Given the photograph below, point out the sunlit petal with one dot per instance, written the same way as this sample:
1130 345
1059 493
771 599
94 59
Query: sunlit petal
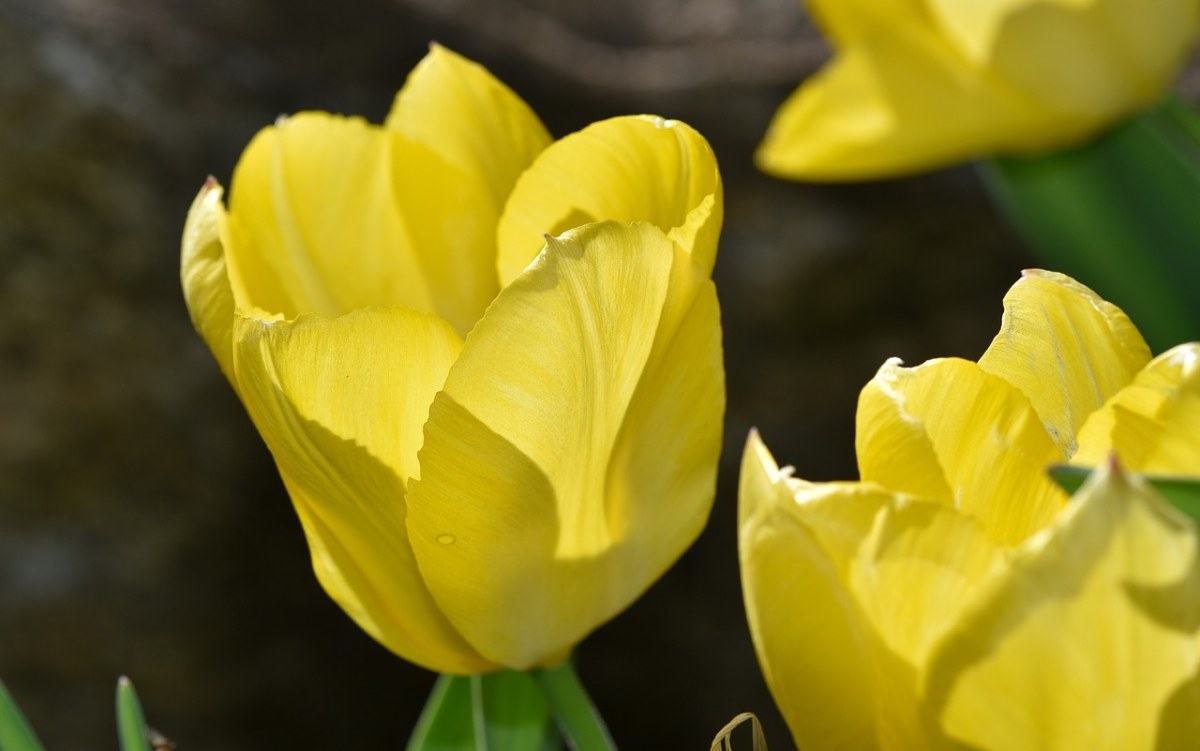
313 222
625 169
522 518
879 108
948 419
1065 348
1109 55
1082 641
462 139
812 642
1153 424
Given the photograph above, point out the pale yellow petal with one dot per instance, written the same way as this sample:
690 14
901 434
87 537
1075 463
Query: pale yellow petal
893 105
313 222
846 587
1065 348
204 277
340 403
465 115
949 419
812 640
1083 641
625 169
462 139
1109 56
528 517
1153 424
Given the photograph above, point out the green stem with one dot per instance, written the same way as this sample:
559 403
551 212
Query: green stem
577 717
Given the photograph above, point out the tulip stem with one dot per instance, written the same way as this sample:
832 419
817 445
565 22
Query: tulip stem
577 718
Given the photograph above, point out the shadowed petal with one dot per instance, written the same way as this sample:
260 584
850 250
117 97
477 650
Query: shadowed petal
340 403
204 276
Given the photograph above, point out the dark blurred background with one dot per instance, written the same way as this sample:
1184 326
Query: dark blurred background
143 530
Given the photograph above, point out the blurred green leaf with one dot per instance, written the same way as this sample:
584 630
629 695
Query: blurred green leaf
131 723
1181 492
15 733
503 711
577 717
1120 215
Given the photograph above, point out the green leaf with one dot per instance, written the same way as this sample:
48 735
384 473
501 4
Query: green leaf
15 733
447 722
577 717
1181 492
1120 215
131 723
503 711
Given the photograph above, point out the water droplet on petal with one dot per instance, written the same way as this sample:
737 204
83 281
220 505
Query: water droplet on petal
446 539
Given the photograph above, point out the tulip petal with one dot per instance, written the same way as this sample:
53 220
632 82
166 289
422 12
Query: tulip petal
340 403
627 169
464 114
810 635
530 517
949 419
1065 348
462 138
1151 424
313 222
846 587
1080 643
203 274
880 108
1109 56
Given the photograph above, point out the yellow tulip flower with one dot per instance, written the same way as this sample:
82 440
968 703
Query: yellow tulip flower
919 84
488 366
954 597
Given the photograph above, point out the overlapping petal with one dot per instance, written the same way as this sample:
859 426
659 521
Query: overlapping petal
342 417
528 516
1106 605
313 223
847 586
204 276
972 605
1153 422
461 140
1065 348
600 173
914 85
480 503
879 109
929 430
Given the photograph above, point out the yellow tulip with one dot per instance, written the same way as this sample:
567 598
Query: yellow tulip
954 597
919 84
488 367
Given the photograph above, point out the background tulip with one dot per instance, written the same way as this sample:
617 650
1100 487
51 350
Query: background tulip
495 439
953 595
916 85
